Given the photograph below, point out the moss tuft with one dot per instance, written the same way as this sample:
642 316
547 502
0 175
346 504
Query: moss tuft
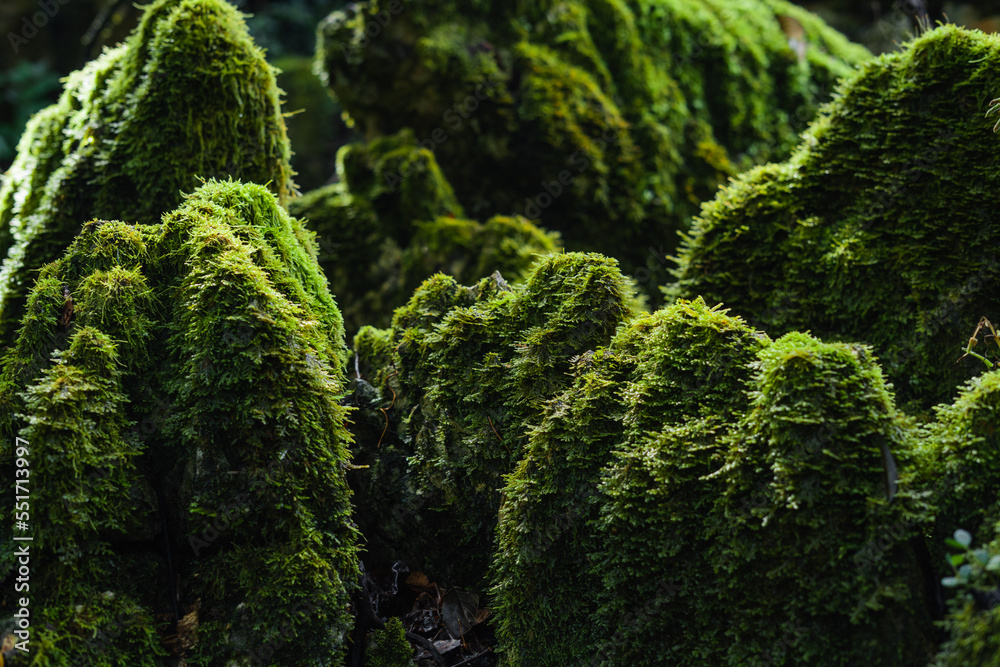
875 230
660 375
186 441
187 97
380 236
387 647
461 375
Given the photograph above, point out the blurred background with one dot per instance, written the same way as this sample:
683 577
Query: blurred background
39 49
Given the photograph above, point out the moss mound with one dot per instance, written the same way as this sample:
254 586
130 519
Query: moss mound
679 365
456 383
178 386
807 483
380 239
693 470
874 230
609 121
188 96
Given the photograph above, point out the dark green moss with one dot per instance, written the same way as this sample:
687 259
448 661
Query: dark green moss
462 374
188 96
609 121
186 439
880 228
805 491
379 238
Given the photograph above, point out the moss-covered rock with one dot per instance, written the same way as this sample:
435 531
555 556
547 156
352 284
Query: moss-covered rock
681 365
701 495
875 229
178 386
809 481
380 239
456 383
188 96
609 121
961 470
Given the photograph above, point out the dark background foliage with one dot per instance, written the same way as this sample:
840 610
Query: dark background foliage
79 29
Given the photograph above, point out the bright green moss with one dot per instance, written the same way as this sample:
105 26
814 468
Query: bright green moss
610 120
380 236
463 373
660 373
718 496
188 96
185 436
387 647
880 227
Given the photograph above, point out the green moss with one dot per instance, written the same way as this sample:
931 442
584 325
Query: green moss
719 497
188 96
186 439
608 120
387 647
461 375
804 490
875 229
661 374
381 236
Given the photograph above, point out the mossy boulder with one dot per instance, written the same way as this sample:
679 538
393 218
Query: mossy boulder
609 121
660 374
875 229
187 96
178 388
808 482
701 495
379 240
449 392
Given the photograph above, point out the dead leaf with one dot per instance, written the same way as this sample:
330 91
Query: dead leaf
459 610
418 580
187 628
